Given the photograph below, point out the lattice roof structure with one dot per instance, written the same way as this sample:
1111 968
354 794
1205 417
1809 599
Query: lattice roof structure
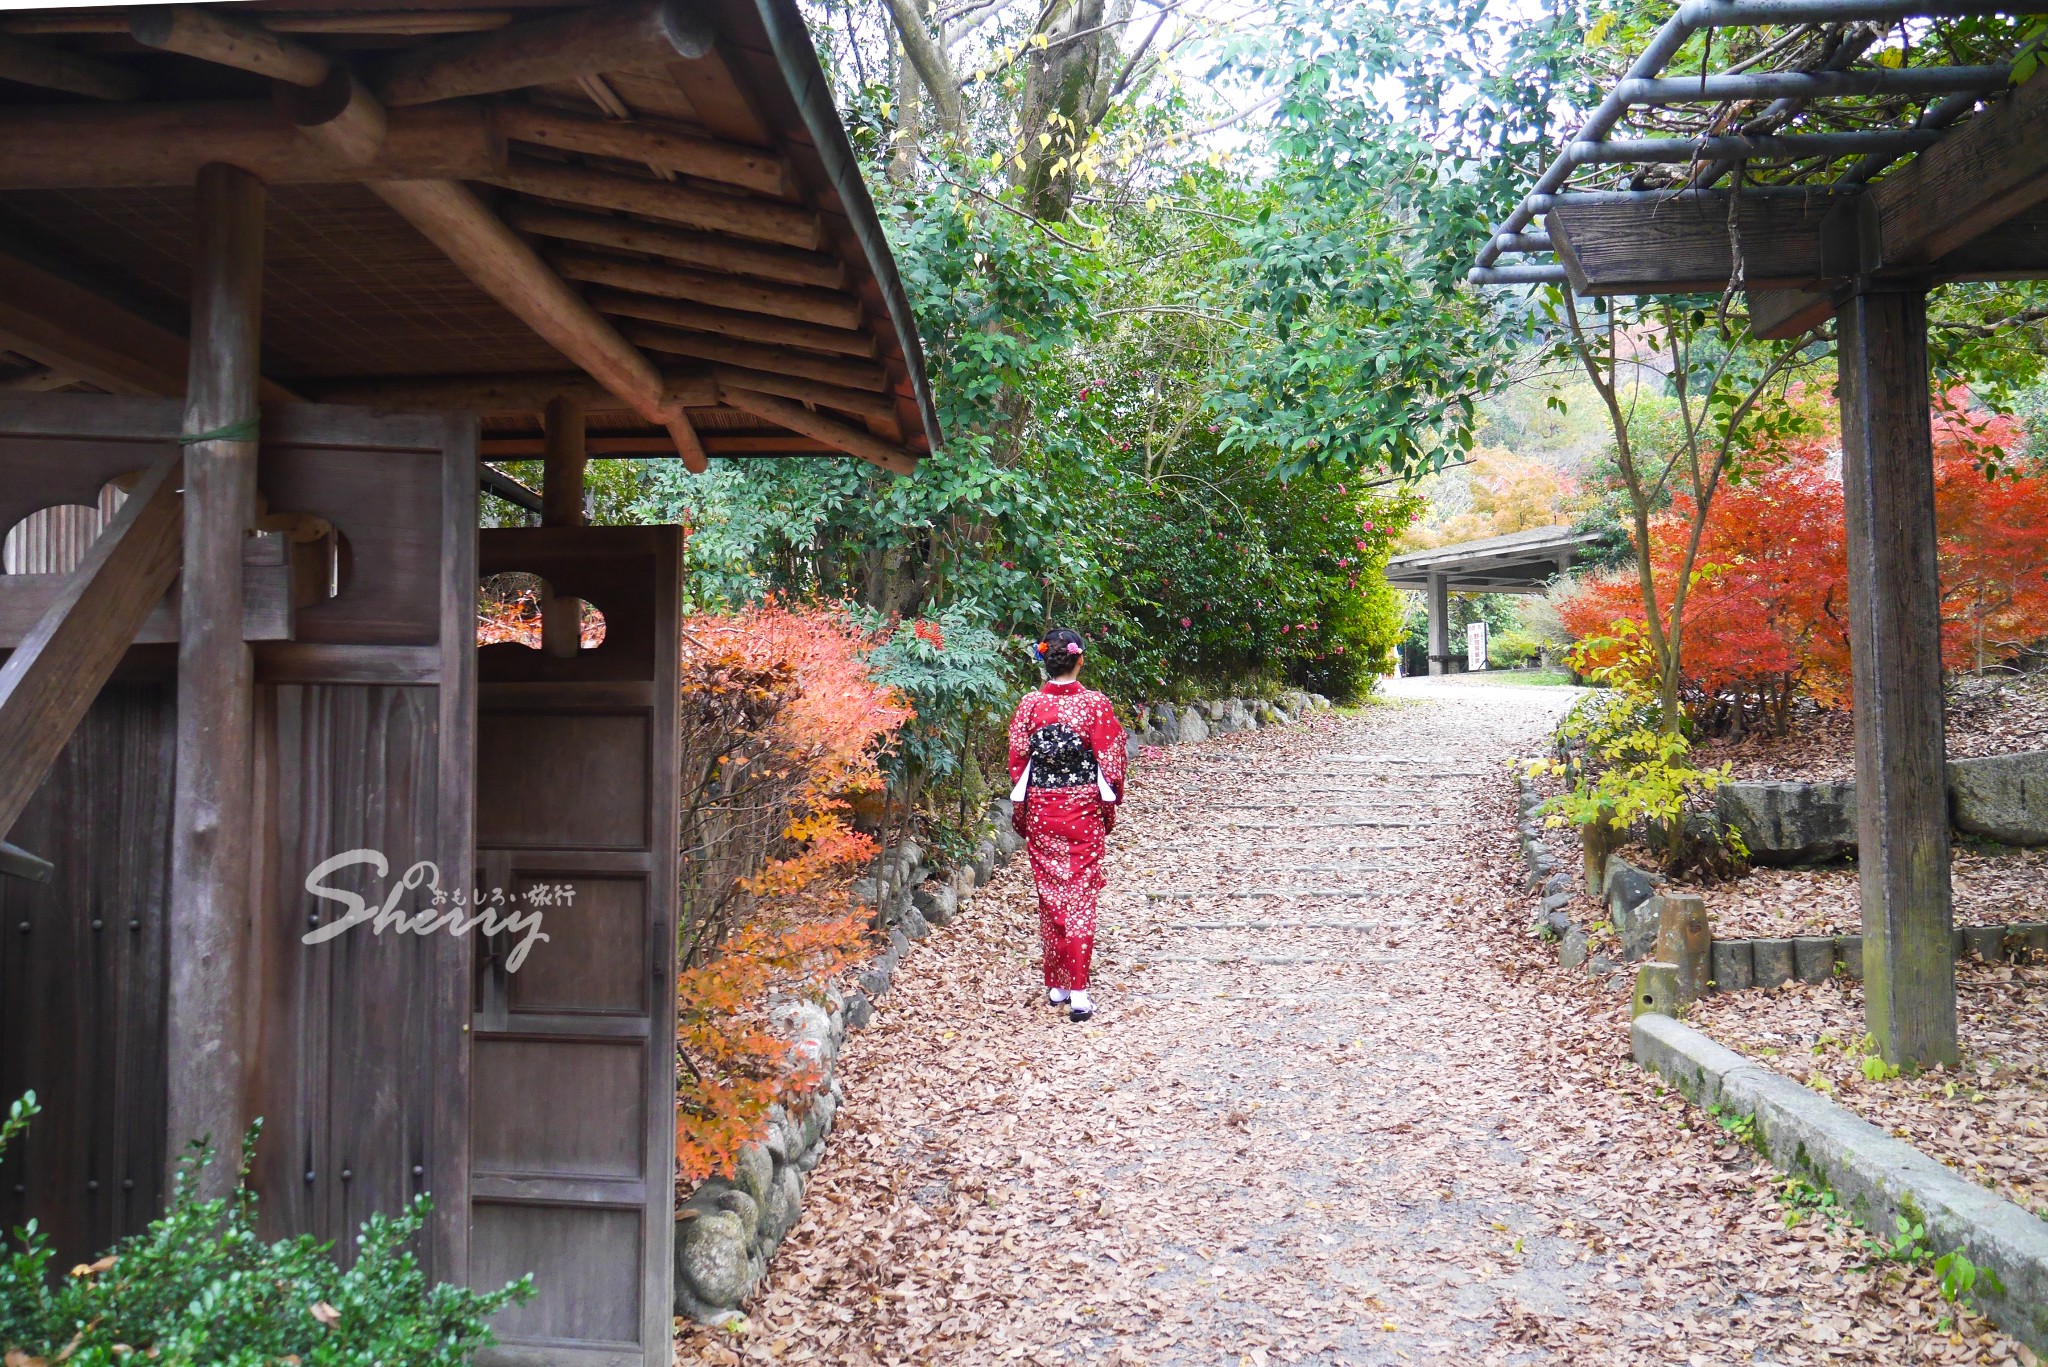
1844 139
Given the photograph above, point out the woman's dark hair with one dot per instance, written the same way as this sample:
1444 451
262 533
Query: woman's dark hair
1059 650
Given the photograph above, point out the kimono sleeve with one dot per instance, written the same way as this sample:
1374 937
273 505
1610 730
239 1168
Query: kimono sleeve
1106 736
1020 737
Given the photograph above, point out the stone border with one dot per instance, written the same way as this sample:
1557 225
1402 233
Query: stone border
1874 1176
728 1229
1736 964
1548 876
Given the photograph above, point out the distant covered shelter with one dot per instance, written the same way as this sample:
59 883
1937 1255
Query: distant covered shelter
274 279
1867 168
1520 562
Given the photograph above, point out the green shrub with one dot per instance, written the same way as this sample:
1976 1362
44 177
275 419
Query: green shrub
199 1287
1511 650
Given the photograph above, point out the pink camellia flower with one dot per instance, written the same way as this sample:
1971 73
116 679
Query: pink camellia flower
1185 622
1340 488
1368 526
1361 545
1008 566
1283 631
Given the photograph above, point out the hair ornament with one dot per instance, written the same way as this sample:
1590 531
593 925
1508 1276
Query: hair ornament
1041 647
1073 647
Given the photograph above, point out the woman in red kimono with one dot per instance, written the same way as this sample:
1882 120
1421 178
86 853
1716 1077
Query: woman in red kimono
1067 762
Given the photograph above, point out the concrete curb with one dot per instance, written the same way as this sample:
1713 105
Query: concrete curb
1873 1175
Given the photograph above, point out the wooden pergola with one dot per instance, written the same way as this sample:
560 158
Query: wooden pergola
1857 226
275 279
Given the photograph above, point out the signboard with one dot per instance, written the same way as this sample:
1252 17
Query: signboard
1475 646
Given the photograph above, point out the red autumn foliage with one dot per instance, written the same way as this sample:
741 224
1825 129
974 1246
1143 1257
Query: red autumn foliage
1766 620
781 727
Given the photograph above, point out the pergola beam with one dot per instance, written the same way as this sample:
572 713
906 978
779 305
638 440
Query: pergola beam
1984 173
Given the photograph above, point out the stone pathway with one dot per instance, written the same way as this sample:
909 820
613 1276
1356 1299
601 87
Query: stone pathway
1336 1108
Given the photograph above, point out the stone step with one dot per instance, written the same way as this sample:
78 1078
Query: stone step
1277 925
1178 895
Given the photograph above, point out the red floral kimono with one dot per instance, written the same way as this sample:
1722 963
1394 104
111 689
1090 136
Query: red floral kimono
1074 745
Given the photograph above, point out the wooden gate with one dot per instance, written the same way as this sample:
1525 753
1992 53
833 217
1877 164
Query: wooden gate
574 1056
357 1047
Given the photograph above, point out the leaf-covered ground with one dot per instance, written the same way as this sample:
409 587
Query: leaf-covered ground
1367 1121
1988 1119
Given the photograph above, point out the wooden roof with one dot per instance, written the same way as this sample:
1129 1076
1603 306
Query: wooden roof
677 166
1518 562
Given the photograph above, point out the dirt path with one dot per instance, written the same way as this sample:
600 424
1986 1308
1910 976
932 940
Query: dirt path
1365 1122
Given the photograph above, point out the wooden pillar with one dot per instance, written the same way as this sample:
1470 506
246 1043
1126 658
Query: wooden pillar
1439 625
1895 656
561 505
210 842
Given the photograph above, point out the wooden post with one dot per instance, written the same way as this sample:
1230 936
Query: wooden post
561 505
210 842
1439 625
1685 941
1895 658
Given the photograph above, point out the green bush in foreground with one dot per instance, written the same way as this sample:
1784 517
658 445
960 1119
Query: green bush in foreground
199 1287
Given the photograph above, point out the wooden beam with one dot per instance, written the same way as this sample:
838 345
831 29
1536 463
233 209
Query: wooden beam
211 844
561 505
1982 174
511 393
52 68
562 474
720 291
752 356
720 99
783 264
1779 315
631 445
751 327
831 431
687 154
760 220
1683 244
17 862
859 402
687 444
1895 661
490 254
334 109
2016 249
76 147
548 51
62 324
339 115
49 682
213 37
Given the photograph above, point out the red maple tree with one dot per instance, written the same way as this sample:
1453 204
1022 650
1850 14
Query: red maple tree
1766 620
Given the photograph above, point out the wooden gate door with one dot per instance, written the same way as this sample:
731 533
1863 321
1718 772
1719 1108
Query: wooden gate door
573 1117
357 1051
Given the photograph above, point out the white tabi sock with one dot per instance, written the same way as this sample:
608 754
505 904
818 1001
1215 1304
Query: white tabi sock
1056 995
1080 1000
